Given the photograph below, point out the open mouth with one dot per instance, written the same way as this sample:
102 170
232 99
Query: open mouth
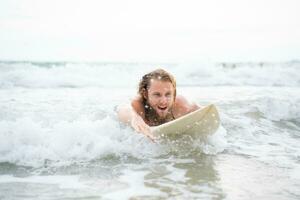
162 108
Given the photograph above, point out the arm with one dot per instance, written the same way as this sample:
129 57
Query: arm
128 115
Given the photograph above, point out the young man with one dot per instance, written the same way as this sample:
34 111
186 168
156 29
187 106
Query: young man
156 103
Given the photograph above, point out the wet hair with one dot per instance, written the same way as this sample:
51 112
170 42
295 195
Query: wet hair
158 74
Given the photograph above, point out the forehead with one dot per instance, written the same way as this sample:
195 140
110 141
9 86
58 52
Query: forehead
160 86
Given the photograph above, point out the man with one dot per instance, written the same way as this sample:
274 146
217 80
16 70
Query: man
156 103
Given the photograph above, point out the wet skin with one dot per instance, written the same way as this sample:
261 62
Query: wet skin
160 97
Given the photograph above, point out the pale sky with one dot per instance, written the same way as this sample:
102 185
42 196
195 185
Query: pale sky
150 31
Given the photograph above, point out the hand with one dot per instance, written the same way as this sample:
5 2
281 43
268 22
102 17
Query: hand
140 126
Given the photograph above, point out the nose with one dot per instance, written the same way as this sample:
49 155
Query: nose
163 100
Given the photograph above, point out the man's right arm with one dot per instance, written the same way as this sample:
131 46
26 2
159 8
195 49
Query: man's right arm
128 115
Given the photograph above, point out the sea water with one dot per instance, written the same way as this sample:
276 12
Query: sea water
60 138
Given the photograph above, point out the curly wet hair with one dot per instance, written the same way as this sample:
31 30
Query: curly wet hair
158 74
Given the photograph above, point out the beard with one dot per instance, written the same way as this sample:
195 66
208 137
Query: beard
154 118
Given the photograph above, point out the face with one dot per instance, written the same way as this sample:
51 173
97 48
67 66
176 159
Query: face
160 96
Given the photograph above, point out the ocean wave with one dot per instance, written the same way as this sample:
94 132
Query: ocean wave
276 109
67 74
27 142
244 74
24 141
272 108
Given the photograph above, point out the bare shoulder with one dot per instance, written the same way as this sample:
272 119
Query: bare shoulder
137 105
183 106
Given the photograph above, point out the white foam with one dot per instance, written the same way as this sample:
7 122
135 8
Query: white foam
285 107
63 182
135 181
215 143
35 75
27 142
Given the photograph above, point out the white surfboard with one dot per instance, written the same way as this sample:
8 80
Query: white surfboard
199 123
